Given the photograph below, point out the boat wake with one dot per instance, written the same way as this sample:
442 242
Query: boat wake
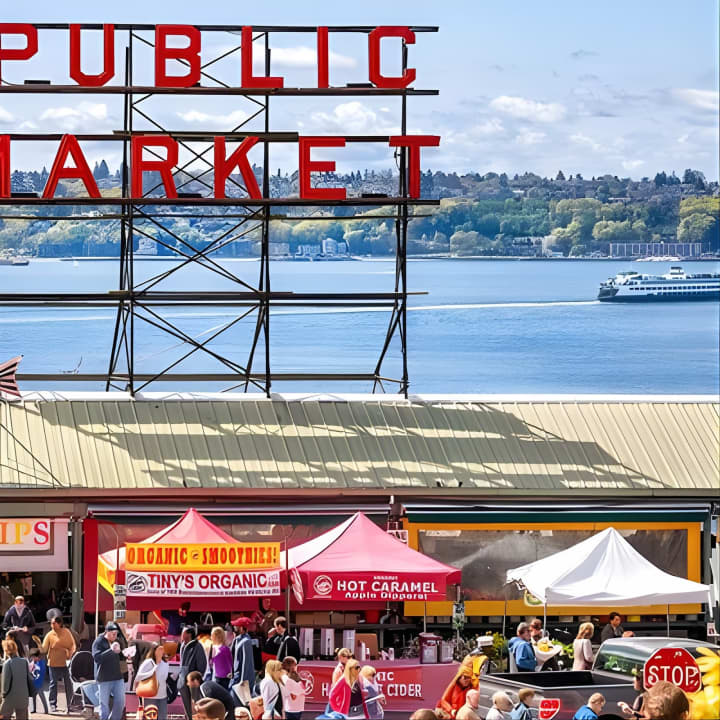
65 316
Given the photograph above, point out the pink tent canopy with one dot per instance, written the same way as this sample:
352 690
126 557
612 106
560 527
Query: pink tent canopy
191 528
358 561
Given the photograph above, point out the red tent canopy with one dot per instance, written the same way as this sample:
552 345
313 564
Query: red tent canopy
358 561
191 529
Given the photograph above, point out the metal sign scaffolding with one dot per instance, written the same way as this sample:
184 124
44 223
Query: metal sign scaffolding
147 301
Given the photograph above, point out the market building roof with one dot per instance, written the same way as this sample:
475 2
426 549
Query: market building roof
460 445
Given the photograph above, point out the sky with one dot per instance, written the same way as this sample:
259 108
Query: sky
626 88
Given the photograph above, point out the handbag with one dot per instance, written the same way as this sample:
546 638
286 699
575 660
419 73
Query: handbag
148 688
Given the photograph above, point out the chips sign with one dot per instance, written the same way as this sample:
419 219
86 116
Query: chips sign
208 557
673 665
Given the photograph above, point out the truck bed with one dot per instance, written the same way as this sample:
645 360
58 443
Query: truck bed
571 688
563 679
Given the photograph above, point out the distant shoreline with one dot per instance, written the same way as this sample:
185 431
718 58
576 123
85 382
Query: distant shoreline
373 258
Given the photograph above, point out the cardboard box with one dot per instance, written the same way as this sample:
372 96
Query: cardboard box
352 619
337 618
322 619
132 617
304 619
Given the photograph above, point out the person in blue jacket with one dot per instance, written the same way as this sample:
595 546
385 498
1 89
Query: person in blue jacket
243 663
38 664
592 710
522 649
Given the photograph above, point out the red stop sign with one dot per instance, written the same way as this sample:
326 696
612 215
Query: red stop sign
674 665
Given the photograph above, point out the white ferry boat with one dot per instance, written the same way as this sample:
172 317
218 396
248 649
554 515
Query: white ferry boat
633 286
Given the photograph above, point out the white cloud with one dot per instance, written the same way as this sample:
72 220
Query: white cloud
632 164
5 116
580 139
493 126
84 116
303 57
352 118
702 99
528 109
232 119
529 137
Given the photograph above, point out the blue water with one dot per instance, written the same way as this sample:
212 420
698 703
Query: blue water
483 327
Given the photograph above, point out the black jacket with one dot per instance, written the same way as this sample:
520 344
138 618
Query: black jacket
192 657
107 662
25 619
288 646
211 689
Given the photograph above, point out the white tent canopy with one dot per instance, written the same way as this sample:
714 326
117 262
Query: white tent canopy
604 570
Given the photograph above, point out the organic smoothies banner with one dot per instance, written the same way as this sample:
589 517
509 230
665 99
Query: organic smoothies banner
201 557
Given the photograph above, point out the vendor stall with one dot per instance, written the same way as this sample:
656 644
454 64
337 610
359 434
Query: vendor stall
604 570
191 560
355 565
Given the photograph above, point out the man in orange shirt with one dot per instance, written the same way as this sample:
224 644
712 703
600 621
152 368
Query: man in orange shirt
59 646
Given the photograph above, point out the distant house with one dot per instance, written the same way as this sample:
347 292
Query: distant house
308 250
329 246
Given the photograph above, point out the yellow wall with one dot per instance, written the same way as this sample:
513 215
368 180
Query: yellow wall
519 607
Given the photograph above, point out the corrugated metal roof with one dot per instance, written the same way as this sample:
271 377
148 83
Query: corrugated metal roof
501 447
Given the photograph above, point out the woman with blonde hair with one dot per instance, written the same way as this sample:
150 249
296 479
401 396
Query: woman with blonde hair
582 647
220 659
342 655
347 695
271 691
375 698
16 683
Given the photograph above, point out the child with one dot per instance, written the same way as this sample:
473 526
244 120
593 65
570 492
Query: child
37 670
294 689
592 710
521 711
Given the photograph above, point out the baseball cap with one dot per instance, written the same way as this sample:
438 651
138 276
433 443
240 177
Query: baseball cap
241 622
109 627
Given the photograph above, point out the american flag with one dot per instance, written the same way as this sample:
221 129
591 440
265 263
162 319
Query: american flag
8 384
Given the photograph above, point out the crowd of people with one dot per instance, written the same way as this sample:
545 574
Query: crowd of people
254 674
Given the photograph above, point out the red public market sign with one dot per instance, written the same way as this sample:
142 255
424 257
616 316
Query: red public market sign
166 36
674 665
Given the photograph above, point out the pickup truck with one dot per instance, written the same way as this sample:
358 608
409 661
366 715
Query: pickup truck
558 695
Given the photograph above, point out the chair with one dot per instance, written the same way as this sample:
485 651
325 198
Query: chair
511 661
82 674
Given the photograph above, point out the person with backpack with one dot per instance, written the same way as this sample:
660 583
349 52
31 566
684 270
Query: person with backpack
521 711
282 644
16 683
